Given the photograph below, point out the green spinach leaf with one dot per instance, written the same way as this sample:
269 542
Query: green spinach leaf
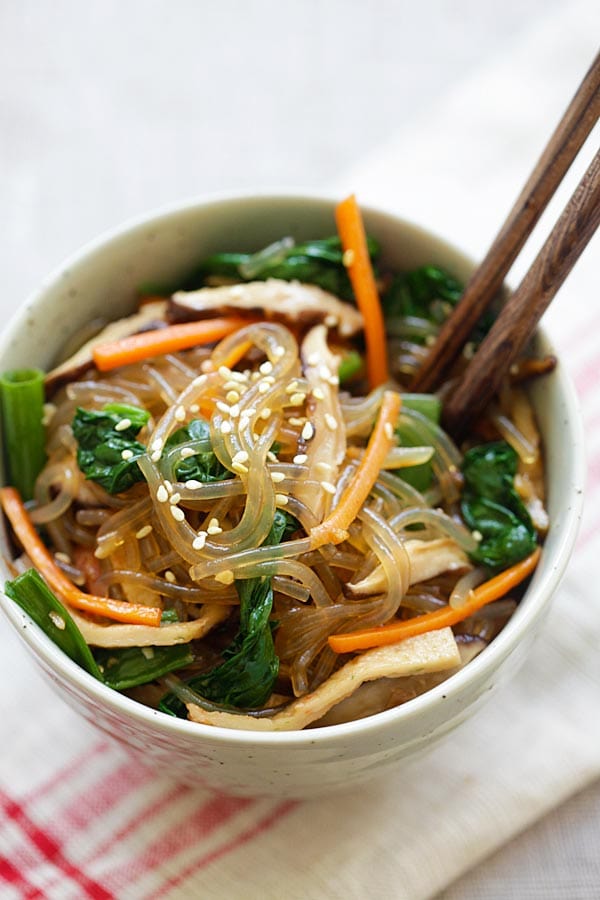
128 667
491 505
204 466
102 441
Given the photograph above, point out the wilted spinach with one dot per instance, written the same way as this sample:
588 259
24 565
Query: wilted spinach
491 506
101 445
127 667
204 465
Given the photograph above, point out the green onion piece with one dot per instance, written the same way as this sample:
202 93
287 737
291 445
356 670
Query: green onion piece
352 362
430 406
33 595
22 405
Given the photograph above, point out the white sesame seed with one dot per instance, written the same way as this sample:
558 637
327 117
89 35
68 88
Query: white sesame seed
225 372
234 411
168 485
240 377
244 422
199 379
300 459
255 376
324 466
148 652
269 379
223 407
331 321
193 485
63 557
180 414
161 494
240 456
207 366
318 393
271 456
232 396
194 408
225 577
265 413
126 454
281 500
324 372
263 387
477 535
297 421
157 444
328 486
240 468
277 477
186 452
49 410
170 577
308 432
312 359
214 523
297 399
292 387
177 513
231 386
348 257
389 430
143 532
333 380
266 368
199 541
175 498
155 456
279 351
331 421
226 427
57 620
250 410
123 425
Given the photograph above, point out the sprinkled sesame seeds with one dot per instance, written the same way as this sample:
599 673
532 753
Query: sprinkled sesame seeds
175 498
223 407
194 408
63 557
308 432
277 477
263 387
324 372
477 536
155 456
266 368
292 387
300 459
312 359
57 620
318 393
278 351
234 411
157 444
170 577
126 454
177 513
199 379
214 527
232 396
193 485
49 409
199 541
143 532
226 427
297 399
123 425
348 257
240 456
297 421
180 414
333 380
226 373
331 421
281 500
225 577
328 486
271 456
244 422
389 430
265 413
240 468
161 494
186 452
330 320
207 366
168 485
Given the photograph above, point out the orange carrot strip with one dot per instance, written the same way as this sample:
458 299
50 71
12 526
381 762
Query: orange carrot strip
354 243
42 559
334 529
234 356
397 631
163 340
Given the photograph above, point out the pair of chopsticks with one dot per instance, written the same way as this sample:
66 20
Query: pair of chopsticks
522 311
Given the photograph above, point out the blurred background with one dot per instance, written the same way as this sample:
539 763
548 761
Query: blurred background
109 109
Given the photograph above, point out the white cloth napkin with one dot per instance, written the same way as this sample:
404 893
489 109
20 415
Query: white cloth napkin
82 819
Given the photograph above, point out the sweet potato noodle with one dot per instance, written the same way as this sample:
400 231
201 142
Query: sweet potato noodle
282 437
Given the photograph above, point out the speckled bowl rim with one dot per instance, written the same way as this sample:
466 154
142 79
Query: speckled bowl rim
532 608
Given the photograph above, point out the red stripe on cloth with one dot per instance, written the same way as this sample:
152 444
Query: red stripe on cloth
196 828
65 772
50 850
11 875
264 824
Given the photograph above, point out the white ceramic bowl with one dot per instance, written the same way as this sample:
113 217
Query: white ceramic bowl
101 280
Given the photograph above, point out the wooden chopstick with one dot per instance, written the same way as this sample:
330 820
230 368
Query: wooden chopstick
522 311
565 143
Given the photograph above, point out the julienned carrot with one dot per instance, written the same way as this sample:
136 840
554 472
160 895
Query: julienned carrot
132 613
164 340
354 243
397 631
334 529
238 352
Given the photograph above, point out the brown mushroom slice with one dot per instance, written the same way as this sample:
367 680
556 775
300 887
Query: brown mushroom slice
375 696
427 559
148 636
150 314
430 652
277 300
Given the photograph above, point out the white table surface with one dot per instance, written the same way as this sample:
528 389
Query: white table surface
110 108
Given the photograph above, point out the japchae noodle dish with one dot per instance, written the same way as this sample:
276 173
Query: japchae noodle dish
229 505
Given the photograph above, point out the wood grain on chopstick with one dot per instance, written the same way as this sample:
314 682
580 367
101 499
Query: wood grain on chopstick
523 309
565 143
